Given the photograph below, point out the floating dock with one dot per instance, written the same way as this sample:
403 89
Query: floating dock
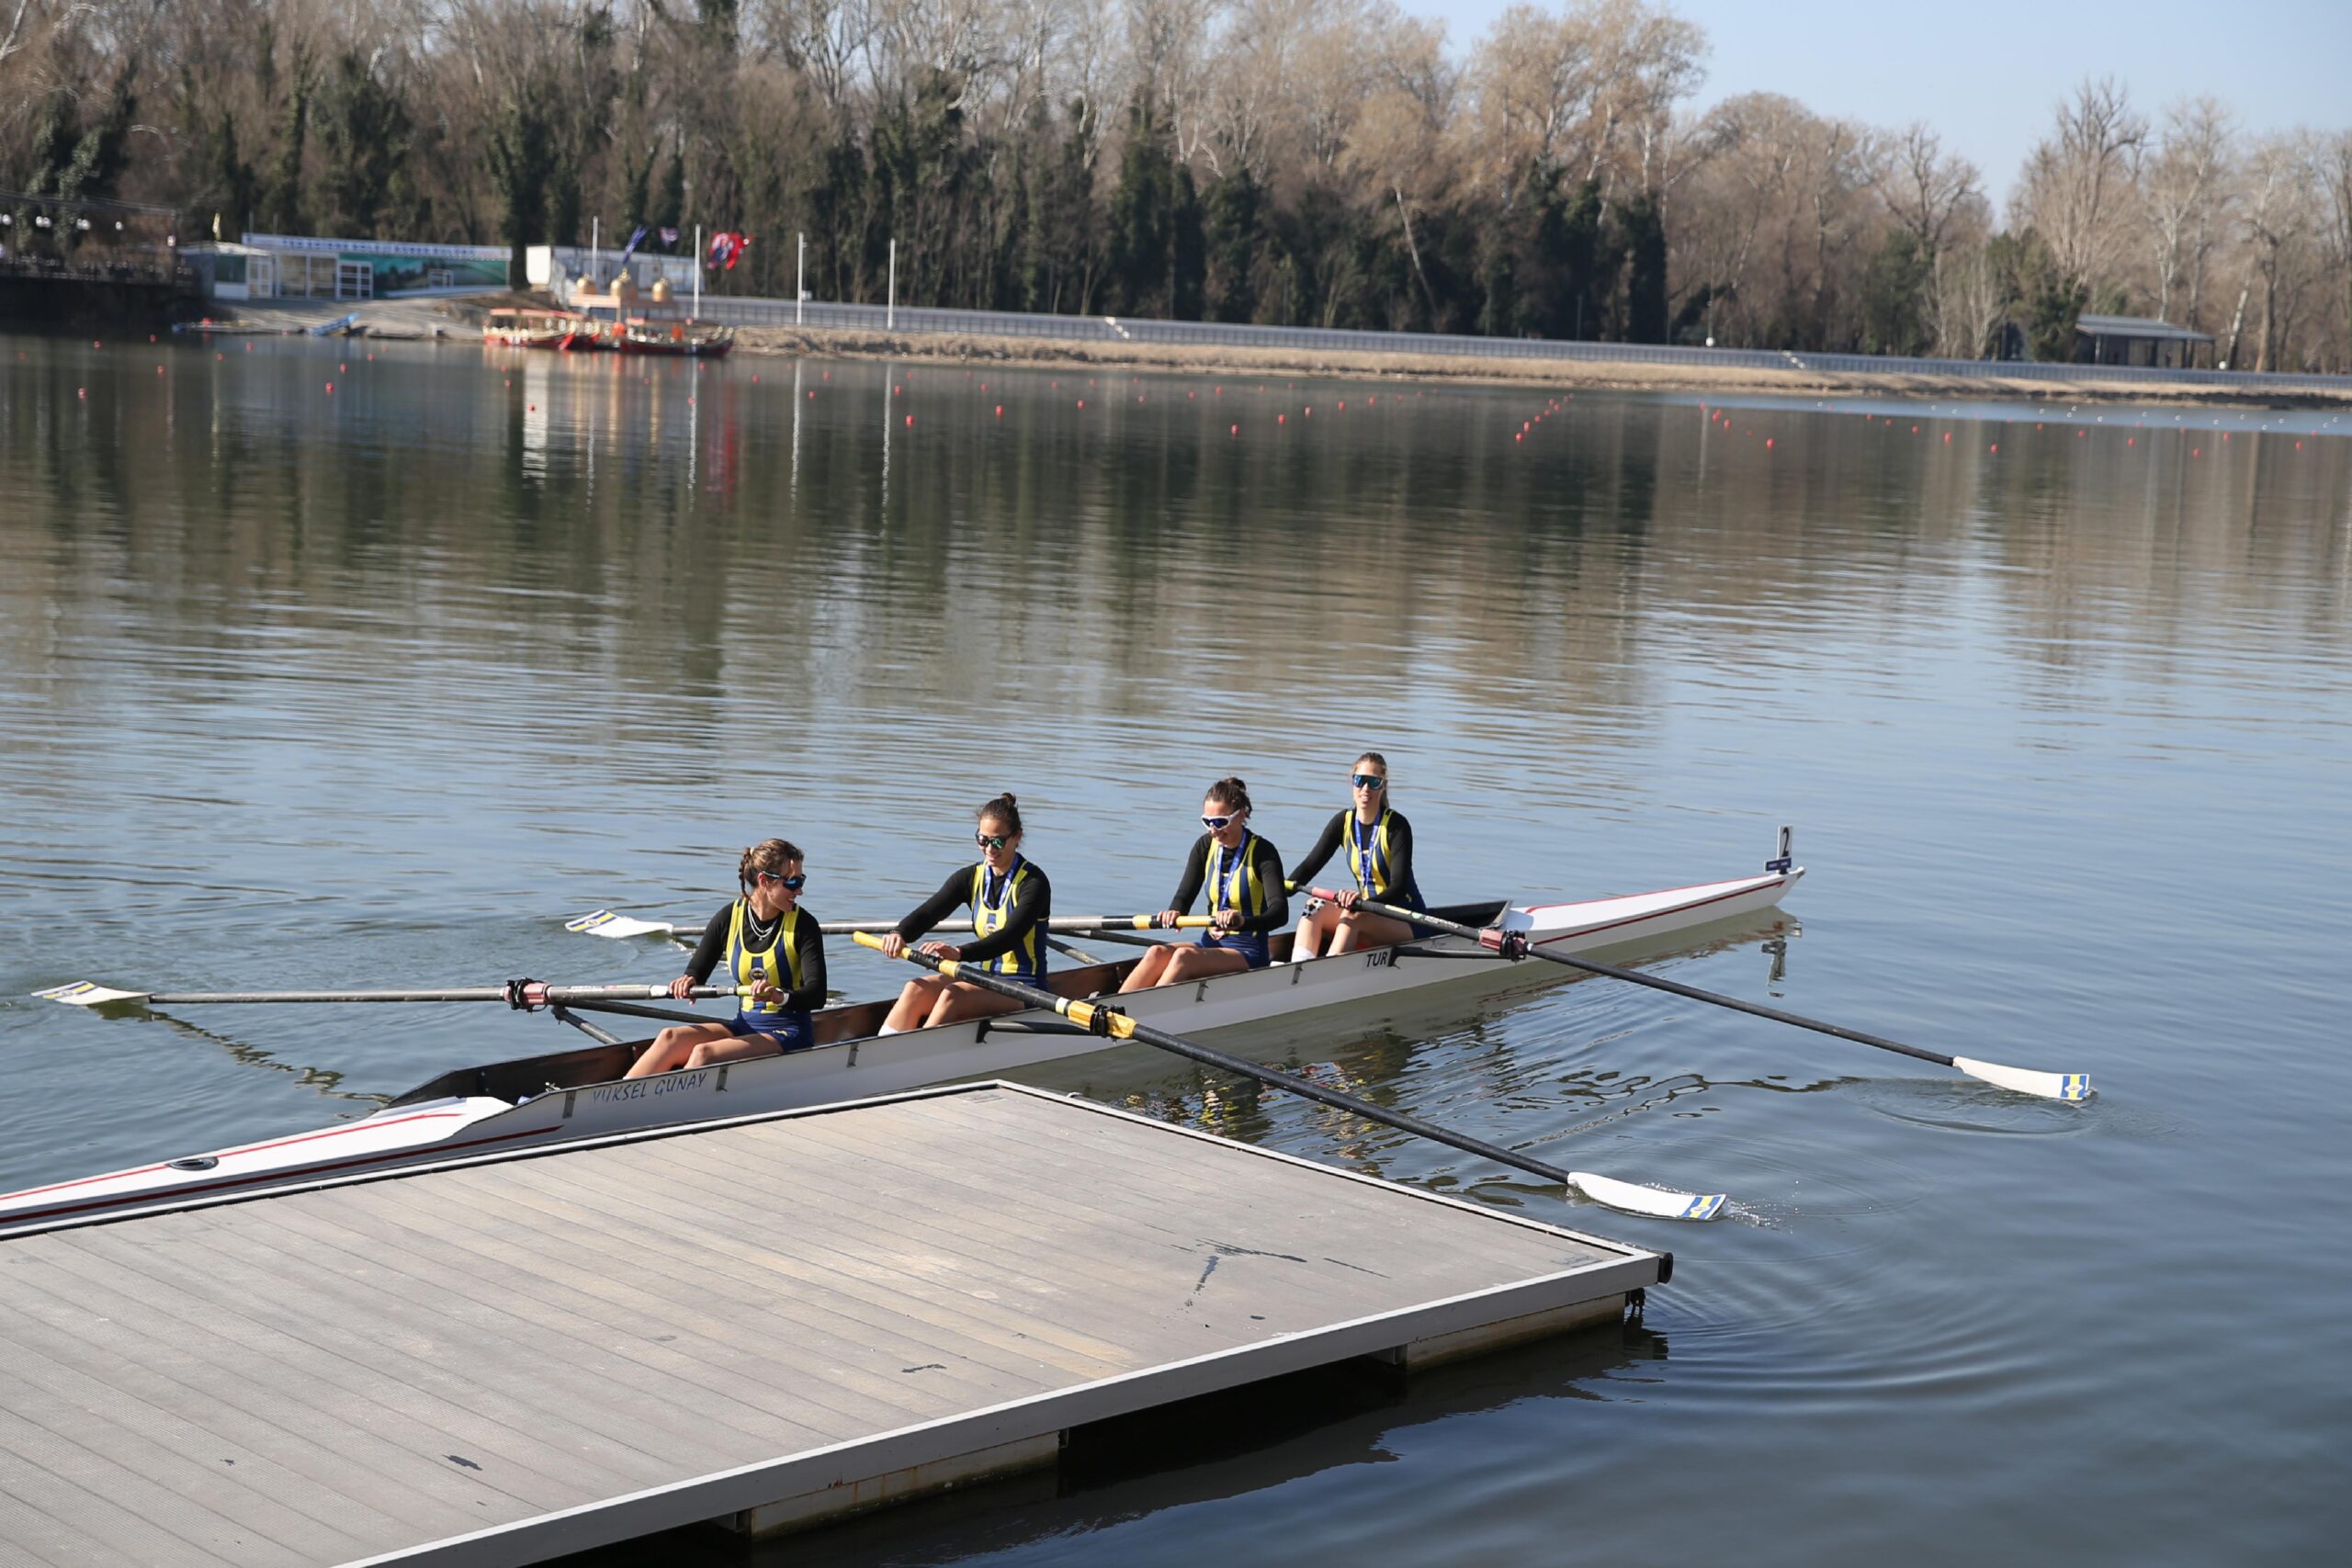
765 1322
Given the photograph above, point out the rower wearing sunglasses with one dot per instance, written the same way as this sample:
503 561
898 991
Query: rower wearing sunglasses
1011 902
767 941
1244 875
1380 856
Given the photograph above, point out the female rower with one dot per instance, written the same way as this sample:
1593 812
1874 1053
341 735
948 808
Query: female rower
1011 902
768 943
1244 874
1380 856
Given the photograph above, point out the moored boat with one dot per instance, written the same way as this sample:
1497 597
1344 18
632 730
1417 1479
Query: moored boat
678 339
523 327
545 1100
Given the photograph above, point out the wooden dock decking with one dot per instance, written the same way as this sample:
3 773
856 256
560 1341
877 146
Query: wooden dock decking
506 1358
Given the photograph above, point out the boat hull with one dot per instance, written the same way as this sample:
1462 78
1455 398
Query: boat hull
578 1094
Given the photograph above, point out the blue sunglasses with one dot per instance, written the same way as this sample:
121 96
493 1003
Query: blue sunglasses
795 882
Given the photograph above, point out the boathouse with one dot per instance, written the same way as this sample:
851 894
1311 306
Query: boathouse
2140 341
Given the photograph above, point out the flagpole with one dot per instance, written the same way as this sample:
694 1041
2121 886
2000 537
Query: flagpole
697 272
800 284
595 260
890 317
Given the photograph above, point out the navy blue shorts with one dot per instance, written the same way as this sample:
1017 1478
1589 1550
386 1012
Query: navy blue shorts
1251 945
789 1030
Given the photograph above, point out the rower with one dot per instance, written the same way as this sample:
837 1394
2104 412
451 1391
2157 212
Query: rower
1011 902
1244 874
1380 855
770 943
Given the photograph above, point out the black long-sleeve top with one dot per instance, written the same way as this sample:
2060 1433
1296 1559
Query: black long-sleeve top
1032 906
1400 854
1263 858
807 940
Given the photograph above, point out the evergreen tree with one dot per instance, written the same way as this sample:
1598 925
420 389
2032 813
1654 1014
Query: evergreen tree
364 130
53 145
101 154
1234 231
1187 250
236 181
518 155
669 210
1894 298
1645 270
1137 271
283 204
1497 283
1586 269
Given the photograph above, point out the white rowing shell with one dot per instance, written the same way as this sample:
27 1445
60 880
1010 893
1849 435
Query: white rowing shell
427 1126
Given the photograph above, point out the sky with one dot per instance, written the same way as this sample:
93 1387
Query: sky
1985 74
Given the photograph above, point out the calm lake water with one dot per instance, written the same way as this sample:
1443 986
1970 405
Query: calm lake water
375 684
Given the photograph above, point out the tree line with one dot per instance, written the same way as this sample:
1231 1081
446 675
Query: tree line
1313 163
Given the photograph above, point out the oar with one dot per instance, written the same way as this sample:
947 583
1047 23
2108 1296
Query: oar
527 995
1657 1202
605 922
1514 944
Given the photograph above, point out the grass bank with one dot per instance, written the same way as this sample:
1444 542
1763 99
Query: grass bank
1572 374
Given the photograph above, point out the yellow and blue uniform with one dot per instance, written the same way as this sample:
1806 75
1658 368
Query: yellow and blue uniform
1009 916
1380 857
1247 878
789 954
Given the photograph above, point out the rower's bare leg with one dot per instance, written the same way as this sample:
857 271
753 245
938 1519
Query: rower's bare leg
1315 933
1199 962
734 1048
963 1000
673 1046
1147 971
914 1004
1360 928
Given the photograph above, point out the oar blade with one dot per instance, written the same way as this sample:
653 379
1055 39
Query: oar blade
1657 1202
81 994
2024 1080
604 923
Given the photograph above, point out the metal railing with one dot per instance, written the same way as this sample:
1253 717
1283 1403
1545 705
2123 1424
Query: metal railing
916 320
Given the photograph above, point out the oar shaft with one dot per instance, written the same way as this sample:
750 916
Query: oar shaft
1118 1025
1657 983
1072 925
531 993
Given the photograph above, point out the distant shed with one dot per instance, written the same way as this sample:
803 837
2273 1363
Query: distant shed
2140 341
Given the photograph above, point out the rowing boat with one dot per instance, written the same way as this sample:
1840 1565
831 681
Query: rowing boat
543 1101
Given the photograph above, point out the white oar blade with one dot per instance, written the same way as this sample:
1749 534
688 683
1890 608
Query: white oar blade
604 923
2049 1086
81 994
1657 1202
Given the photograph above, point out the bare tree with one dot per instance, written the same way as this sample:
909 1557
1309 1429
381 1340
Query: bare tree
2331 157
2077 178
2185 197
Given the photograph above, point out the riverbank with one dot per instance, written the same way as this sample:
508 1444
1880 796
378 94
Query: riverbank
1575 375
460 319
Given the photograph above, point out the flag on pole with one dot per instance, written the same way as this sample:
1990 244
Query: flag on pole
631 246
669 237
727 248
